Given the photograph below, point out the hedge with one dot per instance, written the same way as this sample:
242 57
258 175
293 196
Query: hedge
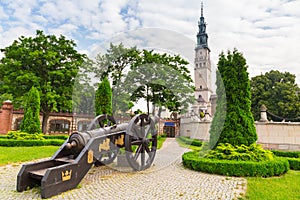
189 141
294 163
275 167
28 143
60 137
290 154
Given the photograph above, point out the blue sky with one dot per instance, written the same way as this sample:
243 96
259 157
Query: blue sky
266 31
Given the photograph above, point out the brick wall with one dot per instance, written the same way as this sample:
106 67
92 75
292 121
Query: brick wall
6 117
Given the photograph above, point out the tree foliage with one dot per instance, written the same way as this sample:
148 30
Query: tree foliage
238 126
278 92
220 114
31 120
83 98
113 65
161 79
46 62
103 98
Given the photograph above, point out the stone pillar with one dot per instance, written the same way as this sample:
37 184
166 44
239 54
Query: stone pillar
6 117
263 114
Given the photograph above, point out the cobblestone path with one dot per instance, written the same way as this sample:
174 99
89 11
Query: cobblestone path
167 179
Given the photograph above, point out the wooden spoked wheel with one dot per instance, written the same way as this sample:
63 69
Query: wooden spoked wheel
101 121
107 157
141 142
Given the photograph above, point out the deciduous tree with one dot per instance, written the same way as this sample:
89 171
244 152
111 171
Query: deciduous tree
279 92
113 65
161 79
47 62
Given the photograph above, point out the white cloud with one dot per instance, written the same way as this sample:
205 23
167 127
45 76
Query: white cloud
266 31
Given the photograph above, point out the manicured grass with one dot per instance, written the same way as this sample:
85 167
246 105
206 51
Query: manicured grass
184 145
160 141
21 154
286 186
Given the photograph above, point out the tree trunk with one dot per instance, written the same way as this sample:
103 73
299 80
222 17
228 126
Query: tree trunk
148 112
159 111
45 122
153 109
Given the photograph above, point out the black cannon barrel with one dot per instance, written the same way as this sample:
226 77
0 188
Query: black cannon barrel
78 140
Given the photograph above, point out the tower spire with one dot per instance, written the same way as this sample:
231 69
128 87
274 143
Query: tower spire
202 36
201 8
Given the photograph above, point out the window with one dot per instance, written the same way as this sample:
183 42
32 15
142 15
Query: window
82 125
18 123
59 126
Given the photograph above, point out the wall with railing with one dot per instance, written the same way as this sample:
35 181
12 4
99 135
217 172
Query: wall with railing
272 135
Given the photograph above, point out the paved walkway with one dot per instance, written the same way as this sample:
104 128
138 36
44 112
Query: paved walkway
167 179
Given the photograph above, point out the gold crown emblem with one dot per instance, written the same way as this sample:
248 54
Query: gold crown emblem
66 176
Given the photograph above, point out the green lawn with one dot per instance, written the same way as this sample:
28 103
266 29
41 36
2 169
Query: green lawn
184 145
286 187
21 154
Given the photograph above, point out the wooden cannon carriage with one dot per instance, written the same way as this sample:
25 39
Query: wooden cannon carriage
81 150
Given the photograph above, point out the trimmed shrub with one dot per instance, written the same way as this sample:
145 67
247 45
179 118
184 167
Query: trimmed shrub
18 135
294 163
60 137
189 141
290 154
274 167
254 152
30 143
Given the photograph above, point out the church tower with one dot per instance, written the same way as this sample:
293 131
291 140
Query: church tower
202 70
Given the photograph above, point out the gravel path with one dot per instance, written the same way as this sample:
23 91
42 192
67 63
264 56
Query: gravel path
167 179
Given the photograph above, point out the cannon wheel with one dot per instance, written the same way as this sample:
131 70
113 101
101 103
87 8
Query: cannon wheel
141 142
101 121
107 157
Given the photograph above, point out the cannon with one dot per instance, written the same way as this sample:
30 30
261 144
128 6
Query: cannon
95 146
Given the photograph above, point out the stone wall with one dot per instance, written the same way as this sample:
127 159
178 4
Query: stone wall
279 135
272 135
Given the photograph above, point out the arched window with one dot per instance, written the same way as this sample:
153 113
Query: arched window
59 126
82 125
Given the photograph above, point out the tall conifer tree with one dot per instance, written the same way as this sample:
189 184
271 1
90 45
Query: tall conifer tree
103 103
31 121
239 126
